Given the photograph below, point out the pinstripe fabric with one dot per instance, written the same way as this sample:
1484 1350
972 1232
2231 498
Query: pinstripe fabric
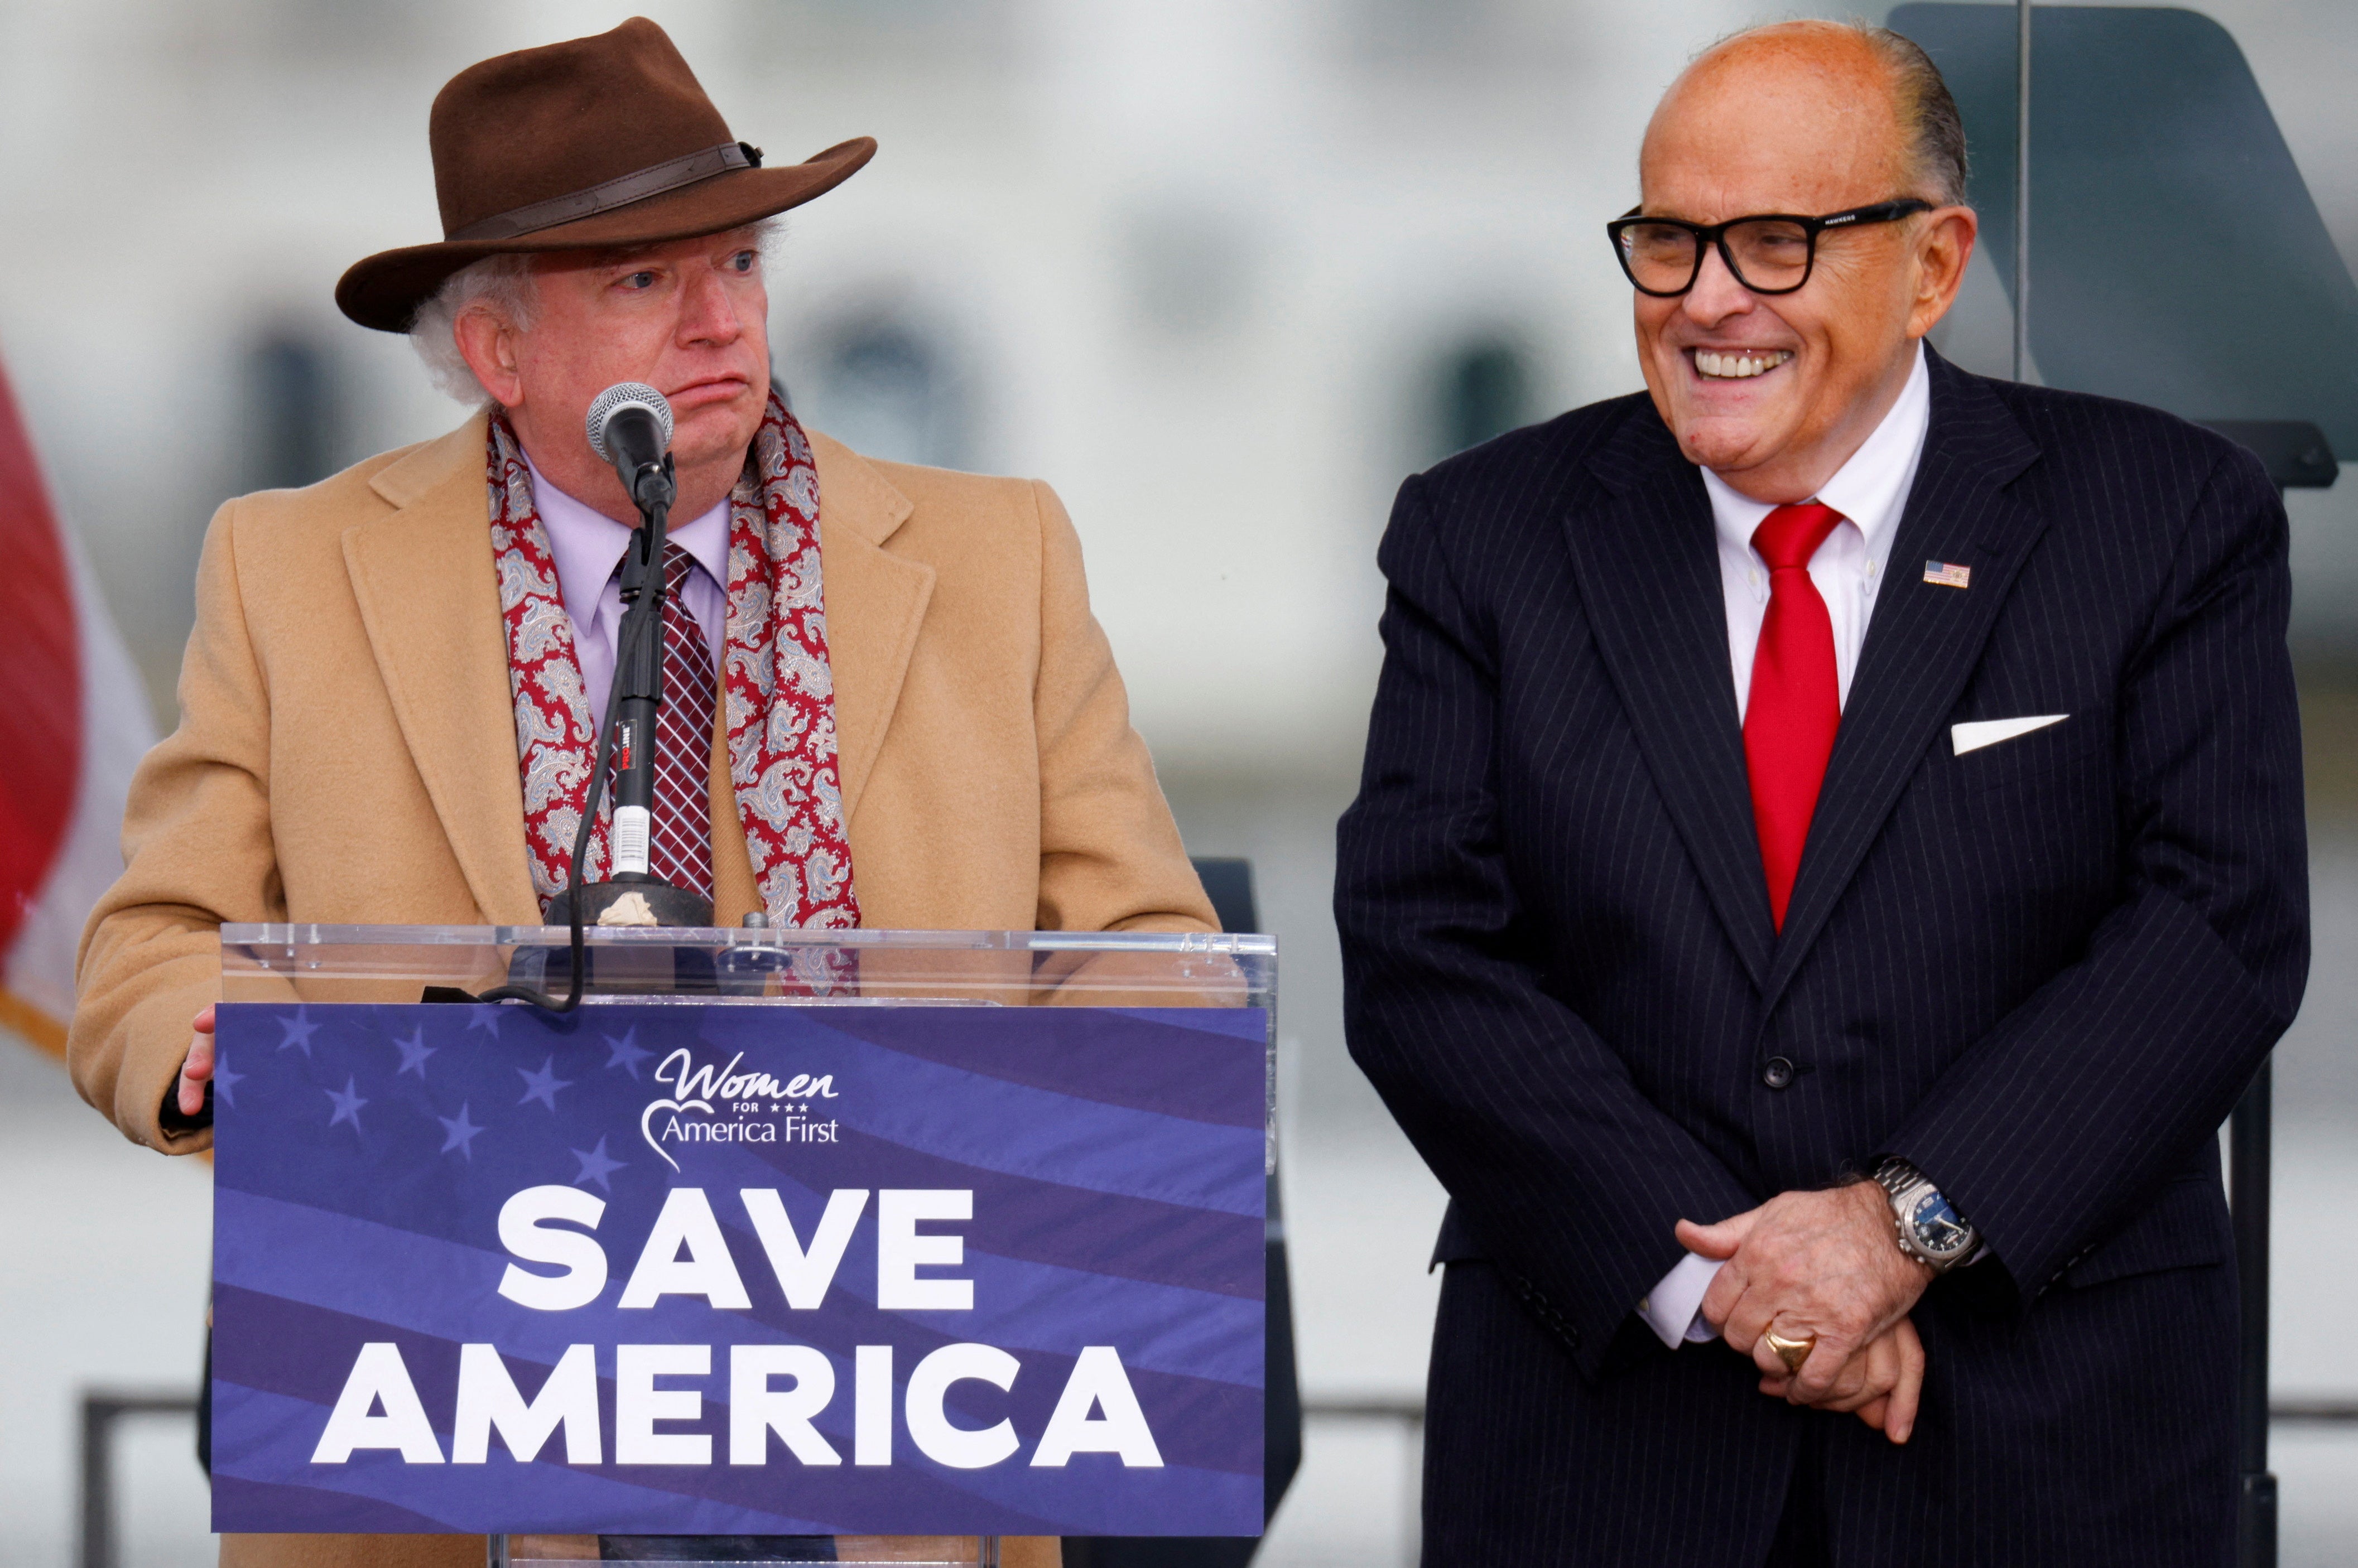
2041 970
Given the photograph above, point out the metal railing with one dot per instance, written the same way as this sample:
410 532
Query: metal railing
1408 1413
104 1410
2308 1411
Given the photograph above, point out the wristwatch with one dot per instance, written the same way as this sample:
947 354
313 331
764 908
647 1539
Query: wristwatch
1931 1231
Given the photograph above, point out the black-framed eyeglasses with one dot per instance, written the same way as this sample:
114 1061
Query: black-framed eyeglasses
1770 252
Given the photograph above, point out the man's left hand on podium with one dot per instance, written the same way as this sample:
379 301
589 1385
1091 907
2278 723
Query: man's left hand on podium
197 1068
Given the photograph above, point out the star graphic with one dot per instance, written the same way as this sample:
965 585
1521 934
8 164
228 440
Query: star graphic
348 1104
627 1051
413 1051
486 1018
461 1136
226 1081
298 1031
543 1085
596 1166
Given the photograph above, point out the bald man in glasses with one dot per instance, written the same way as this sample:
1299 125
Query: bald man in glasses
1830 855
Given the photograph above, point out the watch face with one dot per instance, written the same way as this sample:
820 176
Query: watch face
1938 1230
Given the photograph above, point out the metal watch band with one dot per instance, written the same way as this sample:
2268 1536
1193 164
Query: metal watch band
1898 1179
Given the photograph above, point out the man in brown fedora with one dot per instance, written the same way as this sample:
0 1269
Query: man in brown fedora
389 702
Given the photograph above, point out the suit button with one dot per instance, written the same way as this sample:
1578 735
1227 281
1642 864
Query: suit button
1777 1074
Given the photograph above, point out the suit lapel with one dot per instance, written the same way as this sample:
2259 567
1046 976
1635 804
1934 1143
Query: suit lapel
1648 566
1923 641
429 597
875 602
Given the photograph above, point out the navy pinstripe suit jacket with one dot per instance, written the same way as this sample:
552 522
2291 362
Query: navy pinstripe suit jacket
2042 971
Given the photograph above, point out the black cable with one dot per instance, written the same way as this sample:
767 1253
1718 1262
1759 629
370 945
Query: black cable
624 648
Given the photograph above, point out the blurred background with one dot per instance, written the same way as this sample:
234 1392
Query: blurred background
1223 272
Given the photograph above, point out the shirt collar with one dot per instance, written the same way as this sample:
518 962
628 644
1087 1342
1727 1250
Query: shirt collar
1871 490
588 544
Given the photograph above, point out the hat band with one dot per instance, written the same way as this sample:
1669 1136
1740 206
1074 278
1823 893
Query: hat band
622 191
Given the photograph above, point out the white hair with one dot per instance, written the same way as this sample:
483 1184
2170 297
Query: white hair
504 285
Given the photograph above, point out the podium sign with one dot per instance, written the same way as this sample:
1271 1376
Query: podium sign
729 1265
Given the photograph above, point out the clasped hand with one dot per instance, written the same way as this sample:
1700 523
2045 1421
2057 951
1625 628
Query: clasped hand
1821 1264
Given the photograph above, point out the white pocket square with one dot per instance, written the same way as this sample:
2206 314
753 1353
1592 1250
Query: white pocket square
1982 733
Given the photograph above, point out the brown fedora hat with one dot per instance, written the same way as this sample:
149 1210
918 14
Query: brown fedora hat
594 144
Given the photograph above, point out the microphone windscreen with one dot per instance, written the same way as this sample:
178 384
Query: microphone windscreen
620 395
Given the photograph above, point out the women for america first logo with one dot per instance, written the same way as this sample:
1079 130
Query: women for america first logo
743 1107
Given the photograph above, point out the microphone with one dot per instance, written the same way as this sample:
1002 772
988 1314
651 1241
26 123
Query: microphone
630 426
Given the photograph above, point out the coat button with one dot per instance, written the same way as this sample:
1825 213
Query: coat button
1777 1074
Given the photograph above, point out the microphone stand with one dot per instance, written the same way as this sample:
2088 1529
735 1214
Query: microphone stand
635 708
632 708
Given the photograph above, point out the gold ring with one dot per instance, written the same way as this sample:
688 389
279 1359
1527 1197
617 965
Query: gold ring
1792 1352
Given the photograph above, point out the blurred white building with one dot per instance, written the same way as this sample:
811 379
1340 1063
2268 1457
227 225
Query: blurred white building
1222 271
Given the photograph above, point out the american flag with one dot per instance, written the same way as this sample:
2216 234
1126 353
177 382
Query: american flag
75 725
1943 575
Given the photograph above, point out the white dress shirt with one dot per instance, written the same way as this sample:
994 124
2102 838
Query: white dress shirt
588 546
1870 491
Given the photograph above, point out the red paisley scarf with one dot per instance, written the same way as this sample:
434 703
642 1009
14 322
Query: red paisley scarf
776 683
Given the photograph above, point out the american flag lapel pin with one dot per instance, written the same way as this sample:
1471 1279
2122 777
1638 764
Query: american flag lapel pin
1941 574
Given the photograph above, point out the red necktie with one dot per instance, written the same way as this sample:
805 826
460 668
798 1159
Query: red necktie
1795 705
679 851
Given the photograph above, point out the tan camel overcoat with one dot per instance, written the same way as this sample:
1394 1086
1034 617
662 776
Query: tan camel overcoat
347 752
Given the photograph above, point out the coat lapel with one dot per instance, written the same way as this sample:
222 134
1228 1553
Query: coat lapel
875 602
1648 566
429 597
424 578
1923 641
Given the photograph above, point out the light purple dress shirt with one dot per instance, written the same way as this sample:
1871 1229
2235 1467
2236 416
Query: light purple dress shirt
587 545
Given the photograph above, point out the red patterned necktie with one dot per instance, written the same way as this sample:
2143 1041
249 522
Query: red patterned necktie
1795 705
680 850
